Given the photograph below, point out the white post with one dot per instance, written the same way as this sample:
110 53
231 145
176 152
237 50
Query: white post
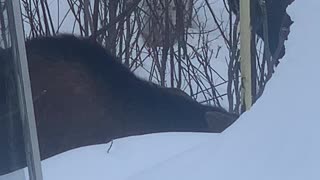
245 53
24 90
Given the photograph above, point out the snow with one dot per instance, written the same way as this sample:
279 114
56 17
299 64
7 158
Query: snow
277 139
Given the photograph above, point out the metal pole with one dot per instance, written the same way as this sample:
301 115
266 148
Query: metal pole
24 89
245 53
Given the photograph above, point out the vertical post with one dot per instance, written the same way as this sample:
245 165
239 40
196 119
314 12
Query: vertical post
24 90
245 53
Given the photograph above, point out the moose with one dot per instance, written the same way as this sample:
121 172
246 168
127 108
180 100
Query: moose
83 96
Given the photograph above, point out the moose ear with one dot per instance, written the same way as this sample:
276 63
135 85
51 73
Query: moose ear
219 121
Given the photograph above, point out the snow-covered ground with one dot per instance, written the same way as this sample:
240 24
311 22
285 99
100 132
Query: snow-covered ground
278 139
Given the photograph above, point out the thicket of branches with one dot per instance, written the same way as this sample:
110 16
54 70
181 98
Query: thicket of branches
171 42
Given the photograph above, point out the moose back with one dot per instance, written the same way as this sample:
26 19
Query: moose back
83 96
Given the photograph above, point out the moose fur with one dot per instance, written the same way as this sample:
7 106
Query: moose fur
84 96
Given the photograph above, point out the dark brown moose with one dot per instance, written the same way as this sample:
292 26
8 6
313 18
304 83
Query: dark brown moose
84 96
